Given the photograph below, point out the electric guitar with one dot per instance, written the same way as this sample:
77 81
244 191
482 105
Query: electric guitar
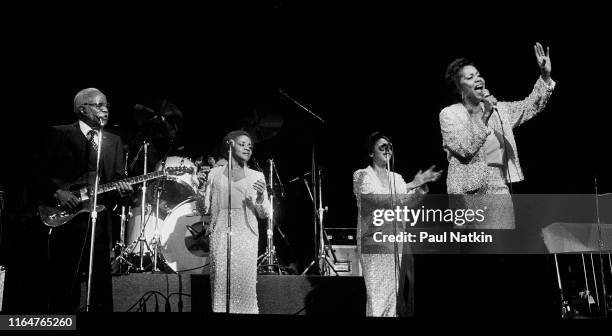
58 215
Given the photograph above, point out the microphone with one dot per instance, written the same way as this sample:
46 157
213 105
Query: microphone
230 142
102 121
300 177
486 94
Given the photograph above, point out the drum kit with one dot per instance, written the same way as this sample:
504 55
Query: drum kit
162 229
168 234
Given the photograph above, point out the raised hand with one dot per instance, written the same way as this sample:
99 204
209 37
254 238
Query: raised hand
543 61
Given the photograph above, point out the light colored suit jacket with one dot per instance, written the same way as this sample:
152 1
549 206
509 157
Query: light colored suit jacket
463 139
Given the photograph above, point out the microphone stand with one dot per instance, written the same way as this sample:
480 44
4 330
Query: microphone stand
141 237
229 230
393 194
601 247
93 220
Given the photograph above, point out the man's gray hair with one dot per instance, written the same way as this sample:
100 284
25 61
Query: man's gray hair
82 97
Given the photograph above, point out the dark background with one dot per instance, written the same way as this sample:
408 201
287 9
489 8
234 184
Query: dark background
360 67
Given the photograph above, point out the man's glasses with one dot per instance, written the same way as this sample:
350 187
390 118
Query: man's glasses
98 105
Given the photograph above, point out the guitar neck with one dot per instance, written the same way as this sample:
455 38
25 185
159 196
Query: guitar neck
132 180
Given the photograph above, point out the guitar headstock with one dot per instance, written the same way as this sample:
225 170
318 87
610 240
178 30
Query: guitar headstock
178 170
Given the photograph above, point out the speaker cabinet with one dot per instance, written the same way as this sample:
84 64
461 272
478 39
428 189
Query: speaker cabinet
276 294
143 292
296 295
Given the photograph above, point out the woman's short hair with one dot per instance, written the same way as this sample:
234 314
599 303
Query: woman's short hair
453 73
233 135
373 138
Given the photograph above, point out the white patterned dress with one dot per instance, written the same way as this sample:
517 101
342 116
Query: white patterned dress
382 285
244 212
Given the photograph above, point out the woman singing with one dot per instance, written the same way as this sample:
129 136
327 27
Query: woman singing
248 201
478 138
379 269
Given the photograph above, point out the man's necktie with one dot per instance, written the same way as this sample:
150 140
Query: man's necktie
91 137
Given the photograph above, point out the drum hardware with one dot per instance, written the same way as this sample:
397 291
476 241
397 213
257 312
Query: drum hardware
322 260
155 241
141 239
268 262
165 200
120 258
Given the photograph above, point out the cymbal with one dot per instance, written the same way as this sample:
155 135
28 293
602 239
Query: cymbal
163 123
170 112
262 124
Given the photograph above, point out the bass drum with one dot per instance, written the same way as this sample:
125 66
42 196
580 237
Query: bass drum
184 242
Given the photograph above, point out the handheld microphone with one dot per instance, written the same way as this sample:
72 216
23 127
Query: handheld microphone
486 94
387 149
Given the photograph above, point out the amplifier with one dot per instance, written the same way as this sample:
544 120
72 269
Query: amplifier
344 245
347 260
341 236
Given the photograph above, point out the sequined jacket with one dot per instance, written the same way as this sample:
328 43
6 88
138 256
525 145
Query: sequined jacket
463 138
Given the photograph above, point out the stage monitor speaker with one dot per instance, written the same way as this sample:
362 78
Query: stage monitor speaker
140 291
296 295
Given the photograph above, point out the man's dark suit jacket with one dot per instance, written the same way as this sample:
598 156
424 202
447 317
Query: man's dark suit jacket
67 156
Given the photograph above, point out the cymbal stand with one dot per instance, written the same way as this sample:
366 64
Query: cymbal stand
156 237
322 260
268 259
120 245
141 237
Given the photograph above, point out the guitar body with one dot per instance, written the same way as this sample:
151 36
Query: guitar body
57 216
54 216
